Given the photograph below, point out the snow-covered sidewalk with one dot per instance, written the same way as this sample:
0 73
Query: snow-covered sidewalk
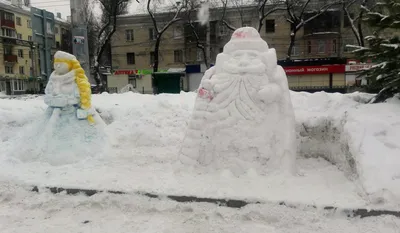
23 211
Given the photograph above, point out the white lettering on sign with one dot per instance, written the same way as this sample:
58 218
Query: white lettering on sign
294 70
358 67
317 69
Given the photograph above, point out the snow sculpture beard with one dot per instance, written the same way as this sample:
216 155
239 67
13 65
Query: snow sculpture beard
243 118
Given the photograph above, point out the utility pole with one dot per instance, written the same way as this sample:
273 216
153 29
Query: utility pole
80 46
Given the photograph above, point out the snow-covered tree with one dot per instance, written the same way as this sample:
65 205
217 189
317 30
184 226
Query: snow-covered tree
301 12
191 7
110 10
159 31
354 15
383 48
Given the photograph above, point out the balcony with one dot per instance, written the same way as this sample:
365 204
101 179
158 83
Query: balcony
7 23
10 58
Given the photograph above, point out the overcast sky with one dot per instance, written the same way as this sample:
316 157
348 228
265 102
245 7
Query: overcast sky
63 6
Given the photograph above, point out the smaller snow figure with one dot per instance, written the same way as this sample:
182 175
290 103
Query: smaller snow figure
243 117
71 128
69 87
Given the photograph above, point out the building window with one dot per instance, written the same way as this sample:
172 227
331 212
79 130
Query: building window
8 32
295 50
223 30
7 50
9 69
334 46
30 38
129 35
346 21
178 56
29 23
221 50
321 46
132 81
178 32
309 47
130 58
21 70
200 55
30 54
20 53
152 34
269 25
8 16
152 58
19 36
49 28
58 44
19 21
19 85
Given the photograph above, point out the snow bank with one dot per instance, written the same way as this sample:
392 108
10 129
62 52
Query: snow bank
146 132
361 139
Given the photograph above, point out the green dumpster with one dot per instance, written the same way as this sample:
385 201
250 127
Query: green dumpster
167 82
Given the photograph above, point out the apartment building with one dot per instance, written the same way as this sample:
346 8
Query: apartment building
20 63
321 42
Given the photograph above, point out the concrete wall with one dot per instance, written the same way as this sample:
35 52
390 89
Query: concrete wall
117 81
194 80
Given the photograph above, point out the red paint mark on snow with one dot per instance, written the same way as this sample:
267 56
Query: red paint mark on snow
203 93
239 35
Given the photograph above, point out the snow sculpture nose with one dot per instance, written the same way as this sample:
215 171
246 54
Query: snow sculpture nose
244 61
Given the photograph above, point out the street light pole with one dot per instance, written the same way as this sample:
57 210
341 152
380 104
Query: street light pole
80 46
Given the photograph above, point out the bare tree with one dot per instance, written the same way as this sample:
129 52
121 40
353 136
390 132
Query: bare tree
271 7
111 9
355 19
296 16
159 32
191 7
223 20
92 28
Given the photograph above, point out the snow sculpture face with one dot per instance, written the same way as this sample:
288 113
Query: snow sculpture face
244 61
61 68
244 53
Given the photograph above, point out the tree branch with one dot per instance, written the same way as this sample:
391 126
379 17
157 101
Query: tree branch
224 4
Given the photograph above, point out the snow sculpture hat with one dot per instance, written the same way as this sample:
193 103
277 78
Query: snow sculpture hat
246 38
63 57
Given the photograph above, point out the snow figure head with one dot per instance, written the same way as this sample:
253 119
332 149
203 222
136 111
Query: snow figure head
64 63
244 53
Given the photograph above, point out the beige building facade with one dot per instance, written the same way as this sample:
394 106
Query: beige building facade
325 37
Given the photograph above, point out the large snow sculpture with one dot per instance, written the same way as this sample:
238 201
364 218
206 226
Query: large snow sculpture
243 117
71 129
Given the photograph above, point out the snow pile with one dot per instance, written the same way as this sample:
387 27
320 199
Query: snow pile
147 132
361 139
243 118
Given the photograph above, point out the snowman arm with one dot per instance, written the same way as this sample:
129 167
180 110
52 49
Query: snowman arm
206 80
270 93
48 88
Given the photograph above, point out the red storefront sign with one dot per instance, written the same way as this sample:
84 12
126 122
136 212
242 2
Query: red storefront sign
126 72
299 70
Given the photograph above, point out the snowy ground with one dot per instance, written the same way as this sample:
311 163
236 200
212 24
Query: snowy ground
21 211
359 141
